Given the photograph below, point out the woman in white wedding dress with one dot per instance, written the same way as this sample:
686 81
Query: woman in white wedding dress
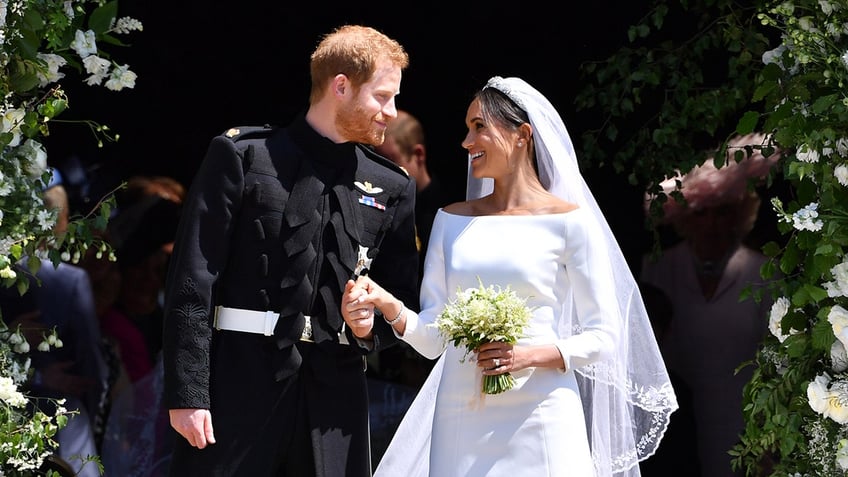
592 395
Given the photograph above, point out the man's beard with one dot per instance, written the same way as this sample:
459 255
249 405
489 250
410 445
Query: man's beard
355 125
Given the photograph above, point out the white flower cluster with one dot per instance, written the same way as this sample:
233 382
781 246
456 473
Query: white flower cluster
23 455
829 398
9 393
85 45
126 25
839 285
39 41
23 174
806 154
480 315
806 218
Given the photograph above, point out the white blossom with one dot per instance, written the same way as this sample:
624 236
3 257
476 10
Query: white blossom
774 56
842 146
841 174
126 25
3 15
53 62
837 402
778 310
121 78
807 218
845 59
84 43
839 286
15 339
97 68
7 272
9 393
36 157
807 154
838 319
786 8
68 8
46 219
826 7
10 122
838 357
807 24
817 393
22 347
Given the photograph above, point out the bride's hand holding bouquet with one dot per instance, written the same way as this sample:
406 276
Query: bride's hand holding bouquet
483 320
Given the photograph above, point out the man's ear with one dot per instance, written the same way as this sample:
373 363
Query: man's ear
419 154
340 85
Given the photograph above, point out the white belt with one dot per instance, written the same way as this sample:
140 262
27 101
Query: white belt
262 322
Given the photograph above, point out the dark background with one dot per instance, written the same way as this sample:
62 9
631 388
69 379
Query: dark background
206 66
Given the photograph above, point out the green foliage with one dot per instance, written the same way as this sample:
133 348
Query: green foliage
39 41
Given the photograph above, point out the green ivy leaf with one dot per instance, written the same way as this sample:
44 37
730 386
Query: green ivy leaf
822 335
748 123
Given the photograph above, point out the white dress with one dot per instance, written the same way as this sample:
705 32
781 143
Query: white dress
538 427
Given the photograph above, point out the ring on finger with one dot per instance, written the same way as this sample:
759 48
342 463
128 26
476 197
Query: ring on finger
497 363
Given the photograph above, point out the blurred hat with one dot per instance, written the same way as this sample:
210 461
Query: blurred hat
707 186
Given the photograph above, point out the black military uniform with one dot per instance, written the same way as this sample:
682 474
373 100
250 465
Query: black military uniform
276 221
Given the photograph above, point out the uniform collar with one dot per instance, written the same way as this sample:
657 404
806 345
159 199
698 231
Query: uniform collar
319 148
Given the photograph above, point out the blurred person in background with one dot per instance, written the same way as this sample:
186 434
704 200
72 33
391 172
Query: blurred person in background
704 274
136 440
77 370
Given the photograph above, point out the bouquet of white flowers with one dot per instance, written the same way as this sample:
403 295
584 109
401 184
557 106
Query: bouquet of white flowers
484 314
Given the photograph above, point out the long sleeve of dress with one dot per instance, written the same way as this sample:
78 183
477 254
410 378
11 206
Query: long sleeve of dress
426 339
593 288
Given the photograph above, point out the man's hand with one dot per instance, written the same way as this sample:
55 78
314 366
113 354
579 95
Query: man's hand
195 425
358 314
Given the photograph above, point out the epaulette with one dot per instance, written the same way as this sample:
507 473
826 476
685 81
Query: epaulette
373 155
249 132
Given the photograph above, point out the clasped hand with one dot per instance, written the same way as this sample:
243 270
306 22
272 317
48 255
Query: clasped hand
358 308
361 299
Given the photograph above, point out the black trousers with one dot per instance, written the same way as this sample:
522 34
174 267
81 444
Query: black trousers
314 423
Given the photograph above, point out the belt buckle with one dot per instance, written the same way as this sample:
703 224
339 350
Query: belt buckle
306 334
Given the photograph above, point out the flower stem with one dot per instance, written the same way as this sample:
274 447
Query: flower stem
498 384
